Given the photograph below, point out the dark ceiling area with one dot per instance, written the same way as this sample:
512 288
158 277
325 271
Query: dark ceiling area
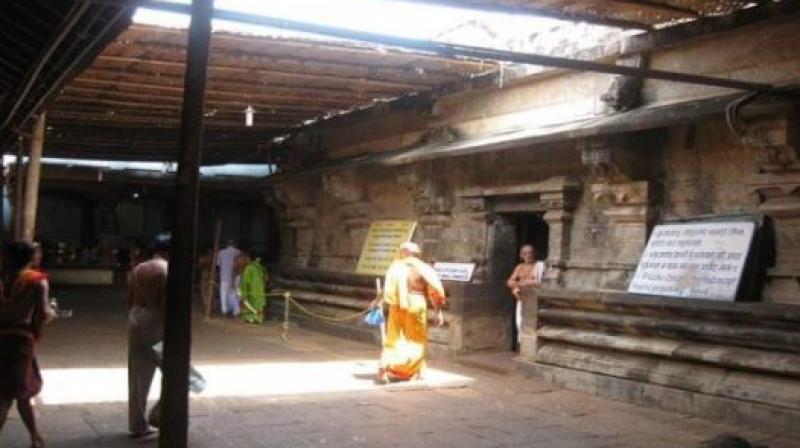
43 43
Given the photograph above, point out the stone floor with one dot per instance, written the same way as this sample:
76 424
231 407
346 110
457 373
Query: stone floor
316 391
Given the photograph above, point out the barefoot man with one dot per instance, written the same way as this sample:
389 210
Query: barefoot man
410 284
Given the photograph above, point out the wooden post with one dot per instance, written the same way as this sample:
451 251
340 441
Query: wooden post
32 180
19 192
3 185
213 267
174 423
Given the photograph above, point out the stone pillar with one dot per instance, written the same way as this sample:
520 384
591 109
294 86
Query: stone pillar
776 188
560 203
560 232
529 343
32 179
627 209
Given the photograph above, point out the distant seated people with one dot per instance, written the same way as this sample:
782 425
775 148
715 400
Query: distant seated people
253 290
528 272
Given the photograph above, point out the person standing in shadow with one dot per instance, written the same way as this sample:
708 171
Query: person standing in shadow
24 309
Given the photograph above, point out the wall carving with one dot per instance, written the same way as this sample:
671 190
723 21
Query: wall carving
776 188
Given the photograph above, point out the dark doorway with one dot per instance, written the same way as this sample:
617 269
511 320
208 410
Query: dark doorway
529 228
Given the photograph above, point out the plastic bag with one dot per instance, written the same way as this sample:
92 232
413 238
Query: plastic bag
374 317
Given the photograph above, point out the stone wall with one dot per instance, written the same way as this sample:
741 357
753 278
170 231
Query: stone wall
600 196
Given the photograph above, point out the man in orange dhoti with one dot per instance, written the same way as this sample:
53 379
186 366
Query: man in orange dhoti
410 284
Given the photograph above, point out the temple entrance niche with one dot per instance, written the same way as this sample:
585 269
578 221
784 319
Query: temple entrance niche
529 228
538 213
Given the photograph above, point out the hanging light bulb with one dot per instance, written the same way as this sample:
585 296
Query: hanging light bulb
248 116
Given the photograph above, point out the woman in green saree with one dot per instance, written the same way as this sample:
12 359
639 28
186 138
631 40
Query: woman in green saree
253 291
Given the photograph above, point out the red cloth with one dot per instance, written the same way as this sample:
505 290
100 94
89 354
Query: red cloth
19 371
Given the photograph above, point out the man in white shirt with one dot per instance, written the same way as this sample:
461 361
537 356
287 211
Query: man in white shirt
225 261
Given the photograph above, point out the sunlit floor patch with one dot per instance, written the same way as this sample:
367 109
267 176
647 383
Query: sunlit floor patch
79 386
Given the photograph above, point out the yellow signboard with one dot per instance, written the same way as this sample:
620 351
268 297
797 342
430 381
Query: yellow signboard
382 244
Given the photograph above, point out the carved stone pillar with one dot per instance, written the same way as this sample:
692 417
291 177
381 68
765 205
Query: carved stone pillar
472 217
559 203
777 190
626 207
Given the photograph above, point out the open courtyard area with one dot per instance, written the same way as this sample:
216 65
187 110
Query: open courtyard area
318 391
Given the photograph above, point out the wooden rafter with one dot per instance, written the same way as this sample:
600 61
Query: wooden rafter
156 122
176 90
313 50
665 10
171 97
123 113
217 69
266 111
350 92
414 70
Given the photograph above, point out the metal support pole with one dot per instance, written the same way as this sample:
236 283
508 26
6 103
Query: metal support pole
174 423
32 180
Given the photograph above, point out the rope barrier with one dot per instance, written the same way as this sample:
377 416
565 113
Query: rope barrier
289 301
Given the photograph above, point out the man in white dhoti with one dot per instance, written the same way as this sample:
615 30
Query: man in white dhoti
528 272
228 302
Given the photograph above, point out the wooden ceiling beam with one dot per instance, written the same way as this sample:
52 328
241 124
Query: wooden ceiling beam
137 111
30 16
178 90
244 85
123 114
476 53
401 72
23 44
144 144
680 34
332 50
66 103
261 108
293 75
155 122
260 105
113 132
20 30
657 8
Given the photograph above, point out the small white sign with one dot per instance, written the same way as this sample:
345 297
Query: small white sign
698 260
457 272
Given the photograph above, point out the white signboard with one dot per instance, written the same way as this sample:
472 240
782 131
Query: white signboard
457 272
698 260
